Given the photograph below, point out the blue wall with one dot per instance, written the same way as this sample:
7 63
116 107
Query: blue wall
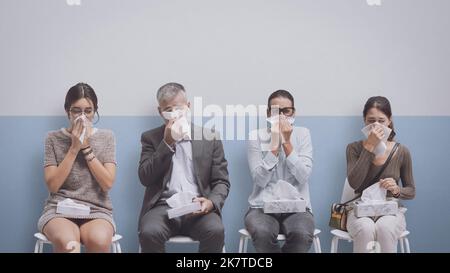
23 190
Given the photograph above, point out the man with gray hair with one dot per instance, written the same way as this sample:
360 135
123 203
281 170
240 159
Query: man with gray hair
172 162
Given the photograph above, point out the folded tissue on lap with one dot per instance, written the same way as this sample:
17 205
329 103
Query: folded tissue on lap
282 197
285 206
181 204
69 207
373 203
372 209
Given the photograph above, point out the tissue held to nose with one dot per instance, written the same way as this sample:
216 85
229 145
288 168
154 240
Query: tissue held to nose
86 123
181 127
380 149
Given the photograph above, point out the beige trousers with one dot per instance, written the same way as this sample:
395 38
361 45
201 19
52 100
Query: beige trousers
380 235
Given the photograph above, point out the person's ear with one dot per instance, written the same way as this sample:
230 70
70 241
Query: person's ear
268 112
189 104
160 112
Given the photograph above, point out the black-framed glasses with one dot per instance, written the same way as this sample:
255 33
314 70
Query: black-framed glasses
287 111
76 111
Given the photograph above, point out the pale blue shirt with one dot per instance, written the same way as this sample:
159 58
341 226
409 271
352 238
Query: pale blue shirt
182 177
266 168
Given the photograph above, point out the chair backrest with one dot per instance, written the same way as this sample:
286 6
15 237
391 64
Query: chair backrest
348 192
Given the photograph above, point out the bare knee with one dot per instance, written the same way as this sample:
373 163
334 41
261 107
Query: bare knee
97 241
64 241
63 234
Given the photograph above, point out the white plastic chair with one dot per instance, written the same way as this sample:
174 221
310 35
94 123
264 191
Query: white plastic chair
182 240
245 237
347 194
42 239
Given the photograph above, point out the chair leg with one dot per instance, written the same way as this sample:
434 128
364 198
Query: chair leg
246 244
116 247
241 245
408 250
36 247
317 247
334 244
402 248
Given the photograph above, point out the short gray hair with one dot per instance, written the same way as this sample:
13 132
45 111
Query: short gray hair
169 90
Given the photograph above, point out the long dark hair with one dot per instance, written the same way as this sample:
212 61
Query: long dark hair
382 104
79 91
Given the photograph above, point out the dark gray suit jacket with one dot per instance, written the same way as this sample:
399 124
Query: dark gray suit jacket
210 167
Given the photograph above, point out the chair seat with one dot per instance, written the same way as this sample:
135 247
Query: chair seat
44 239
280 236
341 234
181 239
344 235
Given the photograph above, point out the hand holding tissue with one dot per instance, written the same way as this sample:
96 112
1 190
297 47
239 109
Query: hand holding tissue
282 197
86 124
69 207
181 128
373 203
380 149
181 204
275 125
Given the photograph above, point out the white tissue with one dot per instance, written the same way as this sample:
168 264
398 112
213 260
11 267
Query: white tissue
373 203
374 193
172 115
181 204
86 123
181 128
275 119
381 147
282 197
69 207
181 198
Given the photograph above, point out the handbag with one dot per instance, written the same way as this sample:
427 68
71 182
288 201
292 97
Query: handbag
339 211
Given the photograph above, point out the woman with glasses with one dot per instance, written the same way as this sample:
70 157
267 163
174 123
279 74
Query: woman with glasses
280 155
79 169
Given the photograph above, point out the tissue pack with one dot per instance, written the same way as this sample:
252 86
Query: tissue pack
373 209
69 207
285 206
183 210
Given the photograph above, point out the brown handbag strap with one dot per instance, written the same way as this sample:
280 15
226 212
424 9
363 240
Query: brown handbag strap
377 177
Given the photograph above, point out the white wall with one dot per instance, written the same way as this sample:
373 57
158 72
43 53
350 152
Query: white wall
331 54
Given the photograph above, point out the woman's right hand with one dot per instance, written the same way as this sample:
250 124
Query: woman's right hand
375 137
77 129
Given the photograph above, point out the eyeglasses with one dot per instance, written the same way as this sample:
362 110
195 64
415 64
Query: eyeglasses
76 111
287 111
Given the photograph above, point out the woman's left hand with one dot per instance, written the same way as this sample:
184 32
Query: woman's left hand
285 128
86 136
390 185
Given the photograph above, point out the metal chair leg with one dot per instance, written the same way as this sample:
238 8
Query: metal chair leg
334 244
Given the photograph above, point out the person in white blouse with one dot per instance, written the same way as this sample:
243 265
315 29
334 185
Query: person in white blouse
288 157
